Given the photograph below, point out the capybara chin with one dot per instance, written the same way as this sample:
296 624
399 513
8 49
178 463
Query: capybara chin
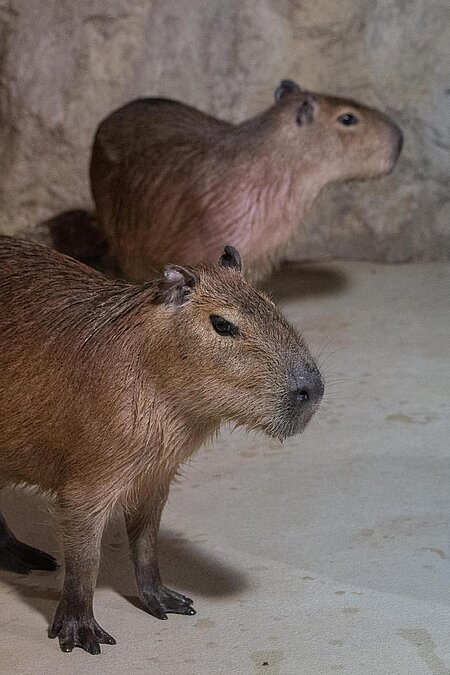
106 387
172 184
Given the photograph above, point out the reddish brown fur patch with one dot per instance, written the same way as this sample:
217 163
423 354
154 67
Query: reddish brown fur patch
173 184
106 387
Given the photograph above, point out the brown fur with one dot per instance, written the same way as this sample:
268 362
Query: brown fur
173 184
106 387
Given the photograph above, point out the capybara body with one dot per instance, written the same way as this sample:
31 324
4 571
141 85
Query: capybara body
171 183
106 387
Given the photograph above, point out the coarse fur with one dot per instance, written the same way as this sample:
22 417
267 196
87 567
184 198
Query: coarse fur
171 183
107 387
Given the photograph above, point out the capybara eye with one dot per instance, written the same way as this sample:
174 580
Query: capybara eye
347 119
223 327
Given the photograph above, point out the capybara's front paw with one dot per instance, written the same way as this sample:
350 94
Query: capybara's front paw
74 632
161 601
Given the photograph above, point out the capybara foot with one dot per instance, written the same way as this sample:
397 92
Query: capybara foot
21 558
85 633
162 601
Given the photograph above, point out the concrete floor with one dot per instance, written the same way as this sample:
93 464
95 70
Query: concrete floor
330 553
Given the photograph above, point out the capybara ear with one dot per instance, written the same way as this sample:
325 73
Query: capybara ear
287 88
231 258
305 112
176 285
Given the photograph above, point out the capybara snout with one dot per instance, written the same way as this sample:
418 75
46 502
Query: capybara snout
304 396
297 391
258 368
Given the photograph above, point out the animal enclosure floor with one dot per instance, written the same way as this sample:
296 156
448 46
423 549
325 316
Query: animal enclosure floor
327 554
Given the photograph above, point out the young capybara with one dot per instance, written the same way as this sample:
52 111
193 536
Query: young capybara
106 387
171 183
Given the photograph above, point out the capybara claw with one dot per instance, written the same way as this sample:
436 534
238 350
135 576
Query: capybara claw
162 601
86 633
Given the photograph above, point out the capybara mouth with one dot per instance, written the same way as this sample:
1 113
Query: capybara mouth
282 432
288 426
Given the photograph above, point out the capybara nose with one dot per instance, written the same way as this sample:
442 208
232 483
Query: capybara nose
309 390
300 395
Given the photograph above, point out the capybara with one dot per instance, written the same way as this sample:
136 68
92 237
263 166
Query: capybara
172 184
107 387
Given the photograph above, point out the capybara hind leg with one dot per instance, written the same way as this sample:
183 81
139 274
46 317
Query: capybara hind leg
21 558
142 522
74 623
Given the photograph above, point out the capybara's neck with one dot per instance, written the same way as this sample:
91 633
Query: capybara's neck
260 187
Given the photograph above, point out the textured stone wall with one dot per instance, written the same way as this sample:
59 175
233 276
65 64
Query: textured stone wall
64 64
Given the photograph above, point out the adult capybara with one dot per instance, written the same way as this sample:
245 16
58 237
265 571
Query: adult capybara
173 184
107 387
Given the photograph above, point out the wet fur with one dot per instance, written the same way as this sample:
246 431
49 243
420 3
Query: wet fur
103 395
171 183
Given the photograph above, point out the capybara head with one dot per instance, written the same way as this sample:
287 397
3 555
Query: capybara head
358 142
241 360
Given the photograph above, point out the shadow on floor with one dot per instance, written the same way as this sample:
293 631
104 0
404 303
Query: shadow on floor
185 566
296 281
76 233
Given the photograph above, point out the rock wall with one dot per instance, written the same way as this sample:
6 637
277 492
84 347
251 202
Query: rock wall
64 64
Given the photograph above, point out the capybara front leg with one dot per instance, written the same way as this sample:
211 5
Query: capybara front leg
15 556
142 522
74 623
